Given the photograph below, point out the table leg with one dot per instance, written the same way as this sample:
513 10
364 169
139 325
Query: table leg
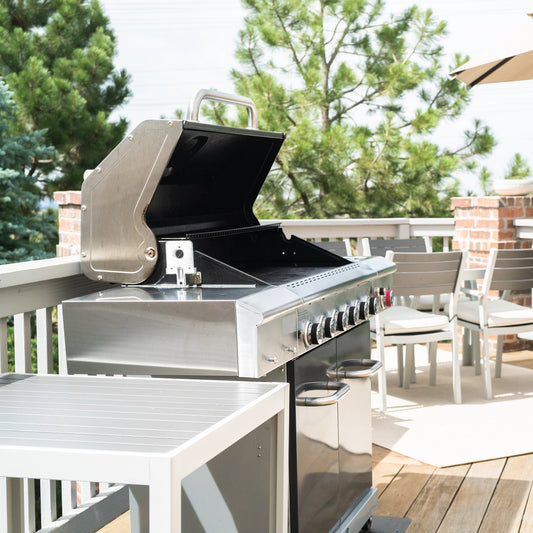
165 498
281 500
139 508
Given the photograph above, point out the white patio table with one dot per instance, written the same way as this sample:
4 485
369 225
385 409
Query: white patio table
138 431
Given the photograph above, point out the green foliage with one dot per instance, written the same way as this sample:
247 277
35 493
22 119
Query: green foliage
485 181
518 168
56 56
26 231
360 94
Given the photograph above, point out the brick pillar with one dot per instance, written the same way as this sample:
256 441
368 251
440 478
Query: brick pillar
69 207
486 222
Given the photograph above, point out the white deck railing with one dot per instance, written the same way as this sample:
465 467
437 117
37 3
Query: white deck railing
356 229
38 288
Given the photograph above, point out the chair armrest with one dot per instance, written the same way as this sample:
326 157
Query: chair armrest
472 292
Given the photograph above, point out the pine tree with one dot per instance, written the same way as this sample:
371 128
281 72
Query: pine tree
26 231
360 94
57 58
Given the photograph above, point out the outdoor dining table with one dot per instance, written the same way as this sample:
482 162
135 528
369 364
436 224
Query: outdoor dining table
136 431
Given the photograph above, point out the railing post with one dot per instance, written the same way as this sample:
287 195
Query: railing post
45 356
22 342
11 505
3 345
404 230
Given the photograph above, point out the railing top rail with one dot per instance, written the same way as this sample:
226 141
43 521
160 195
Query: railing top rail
524 222
368 227
524 228
41 270
335 221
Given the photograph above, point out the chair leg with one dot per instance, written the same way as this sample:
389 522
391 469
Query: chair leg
467 347
432 363
476 352
382 376
409 365
399 355
499 353
456 368
486 365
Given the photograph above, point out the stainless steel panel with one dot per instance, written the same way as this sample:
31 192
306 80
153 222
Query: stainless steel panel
317 446
167 330
116 243
213 496
130 336
355 422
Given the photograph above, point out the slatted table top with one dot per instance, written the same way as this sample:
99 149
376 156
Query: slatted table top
139 415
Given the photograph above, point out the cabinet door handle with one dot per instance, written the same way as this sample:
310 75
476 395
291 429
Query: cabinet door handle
340 389
354 368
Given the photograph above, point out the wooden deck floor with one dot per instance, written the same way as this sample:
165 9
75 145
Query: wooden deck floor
486 497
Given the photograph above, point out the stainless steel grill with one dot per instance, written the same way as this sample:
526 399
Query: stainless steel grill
205 290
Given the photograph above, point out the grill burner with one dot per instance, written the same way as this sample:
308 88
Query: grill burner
205 290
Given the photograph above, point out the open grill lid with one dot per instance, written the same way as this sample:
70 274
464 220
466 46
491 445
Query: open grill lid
168 179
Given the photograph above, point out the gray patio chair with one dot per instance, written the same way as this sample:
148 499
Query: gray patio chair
507 270
433 274
382 246
342 247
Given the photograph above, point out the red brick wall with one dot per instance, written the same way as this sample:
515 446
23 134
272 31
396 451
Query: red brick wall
69 207
485 222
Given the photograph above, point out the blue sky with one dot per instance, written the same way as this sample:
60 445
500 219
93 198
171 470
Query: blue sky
172 48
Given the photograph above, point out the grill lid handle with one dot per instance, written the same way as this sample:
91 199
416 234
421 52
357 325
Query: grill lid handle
193 110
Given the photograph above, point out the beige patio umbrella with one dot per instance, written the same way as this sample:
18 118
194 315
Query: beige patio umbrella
509 60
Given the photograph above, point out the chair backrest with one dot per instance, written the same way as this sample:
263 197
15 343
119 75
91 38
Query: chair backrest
382 246
509 270
337 247
422 273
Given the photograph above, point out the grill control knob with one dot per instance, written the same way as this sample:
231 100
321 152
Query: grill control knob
374 305
330 324
364 309
343 319
385 296
313 332
353 313
388 297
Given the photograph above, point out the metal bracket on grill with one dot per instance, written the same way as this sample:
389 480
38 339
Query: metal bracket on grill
179 255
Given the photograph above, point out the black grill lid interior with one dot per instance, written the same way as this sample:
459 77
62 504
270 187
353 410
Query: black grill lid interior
212 179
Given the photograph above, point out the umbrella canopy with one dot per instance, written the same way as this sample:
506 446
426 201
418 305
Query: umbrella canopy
509 60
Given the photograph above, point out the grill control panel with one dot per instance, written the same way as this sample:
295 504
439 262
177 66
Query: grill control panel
337 313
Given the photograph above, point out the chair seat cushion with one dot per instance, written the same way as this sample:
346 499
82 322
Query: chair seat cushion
500 313
399 319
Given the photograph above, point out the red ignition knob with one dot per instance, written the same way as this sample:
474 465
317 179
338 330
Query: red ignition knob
388 298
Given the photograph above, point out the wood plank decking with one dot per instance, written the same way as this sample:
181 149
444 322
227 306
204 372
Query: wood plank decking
487 497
